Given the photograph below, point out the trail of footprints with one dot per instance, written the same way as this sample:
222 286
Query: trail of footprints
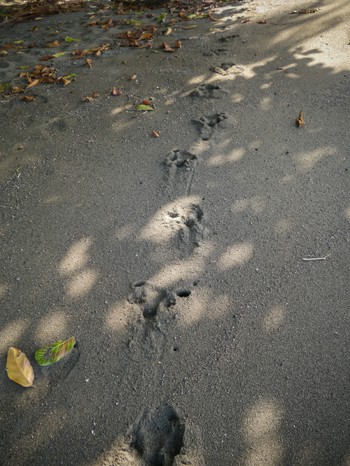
157 438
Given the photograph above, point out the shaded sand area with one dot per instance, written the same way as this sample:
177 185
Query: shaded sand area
178 261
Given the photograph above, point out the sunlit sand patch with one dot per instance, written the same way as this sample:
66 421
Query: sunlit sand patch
266 103
306 161
163 225
11 333
82 283
124 232
261 431
121 109
117 317
53 326
204 304
198 79
53 199
76 257
256 203
274 318
283 226
183 270
236 255
347 213
221 159
3 290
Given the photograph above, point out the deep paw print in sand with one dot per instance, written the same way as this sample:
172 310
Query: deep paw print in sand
207 124
150 297
159 437
180 166
189 228
206 91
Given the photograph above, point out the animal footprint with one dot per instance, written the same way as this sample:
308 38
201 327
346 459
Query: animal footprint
207 124
149 298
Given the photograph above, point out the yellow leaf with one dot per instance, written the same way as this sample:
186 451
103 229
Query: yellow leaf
19 368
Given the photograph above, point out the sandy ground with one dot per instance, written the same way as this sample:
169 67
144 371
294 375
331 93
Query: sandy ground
177 262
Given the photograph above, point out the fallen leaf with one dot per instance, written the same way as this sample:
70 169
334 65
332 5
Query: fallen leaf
189 26
55 43
178 44
246 20
33 83
144 108
146 102
16 90
59 54
166 46
19 368
88 62
88 99
69 40
262 21
3 53
133 77
70 76
95 94
161 17
116 91
107 24
54 352
300 120
28 98
155 134
168 31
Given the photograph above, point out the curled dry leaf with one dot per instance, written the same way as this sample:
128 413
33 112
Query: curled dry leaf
178 44
19 368
166 46
54 352
28 98
155 134
133 77
55 43
300 120
116 91
34 83
88 62
90 98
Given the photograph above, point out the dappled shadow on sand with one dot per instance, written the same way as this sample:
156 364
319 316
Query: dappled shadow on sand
185 282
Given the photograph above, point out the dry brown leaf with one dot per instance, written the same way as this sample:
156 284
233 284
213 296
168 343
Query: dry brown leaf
88 62
33 83
55 43
133 77
300 120
19 368
16 90
95 94
116 91
155 134
107 24
28 98
178 44
147 102
166 46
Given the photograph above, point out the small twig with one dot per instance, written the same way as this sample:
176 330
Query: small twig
315 258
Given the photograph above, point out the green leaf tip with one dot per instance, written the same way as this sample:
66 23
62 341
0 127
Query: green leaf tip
53 353
144 108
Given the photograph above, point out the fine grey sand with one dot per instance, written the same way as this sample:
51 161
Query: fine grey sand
178 262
